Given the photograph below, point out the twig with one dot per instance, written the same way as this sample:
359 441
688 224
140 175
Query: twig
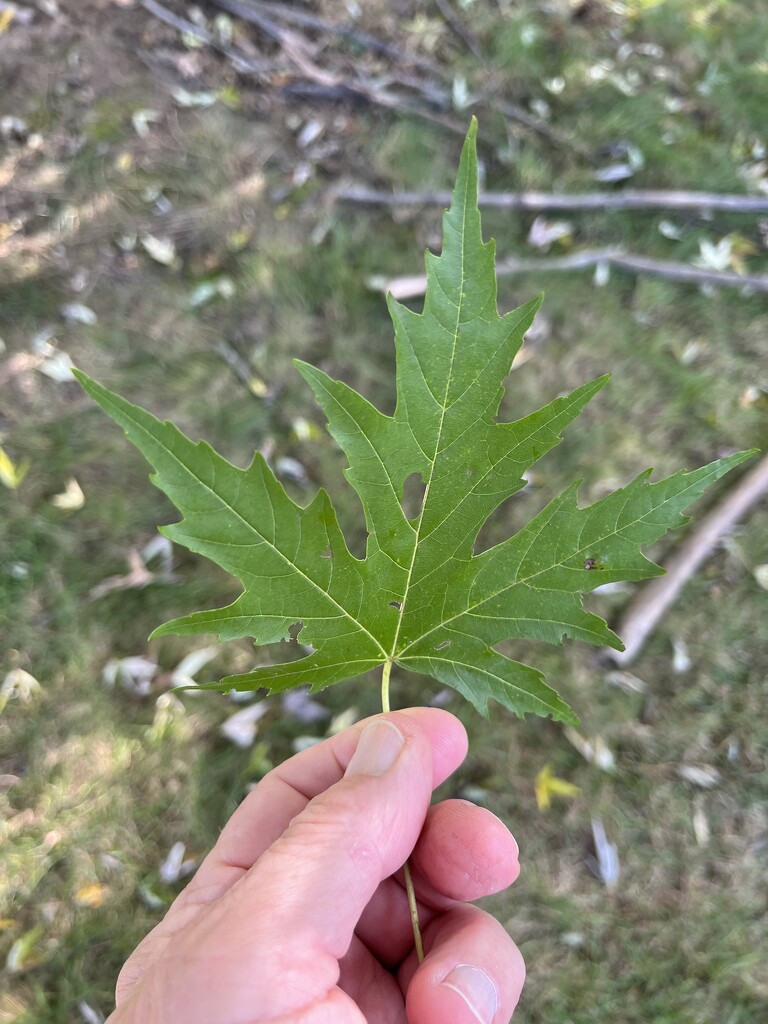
294 16
628 199
458 29
241 63
248 12
656 597
373 92
415 285
298 51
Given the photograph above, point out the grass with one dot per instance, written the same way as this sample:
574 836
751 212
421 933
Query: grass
108 782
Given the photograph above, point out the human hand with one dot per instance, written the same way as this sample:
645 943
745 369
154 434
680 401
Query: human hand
299 914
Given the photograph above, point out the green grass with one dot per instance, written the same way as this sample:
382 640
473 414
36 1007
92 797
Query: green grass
103 795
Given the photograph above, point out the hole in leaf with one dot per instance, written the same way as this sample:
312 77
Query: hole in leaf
295 629
413 496
442 645
395 604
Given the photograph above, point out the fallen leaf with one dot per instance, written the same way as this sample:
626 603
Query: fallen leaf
161 250
12 474
605 864
300 705
58 366
703 776
91 896
301 743
548 785
681 660
602 273
202 99
544 232
626 681
71 498
150 899
185 672
714 255
171 868
700 821
342 721
168 711
162 549
18 685
291 469
23 954
594 750
134 674
78 313
206 291
310 132
89 1014
257 386
460 93
670 230
614 172
141 120
241 727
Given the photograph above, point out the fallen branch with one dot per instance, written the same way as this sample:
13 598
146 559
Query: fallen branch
415 285
656 597
455 24
241 63
374 92
627 199
296 16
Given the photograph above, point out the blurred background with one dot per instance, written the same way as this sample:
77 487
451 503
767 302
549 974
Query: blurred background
180 216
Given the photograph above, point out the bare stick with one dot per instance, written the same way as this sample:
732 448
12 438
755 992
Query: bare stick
296 16
415 285
627 199
656 597
255 13
458 29
241 63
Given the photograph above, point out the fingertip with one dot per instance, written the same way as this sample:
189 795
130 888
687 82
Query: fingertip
465 851
473 973
446 735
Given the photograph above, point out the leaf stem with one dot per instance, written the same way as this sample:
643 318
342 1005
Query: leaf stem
417 940
414 911
385 685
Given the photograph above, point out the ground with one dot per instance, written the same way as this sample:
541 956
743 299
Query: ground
169 224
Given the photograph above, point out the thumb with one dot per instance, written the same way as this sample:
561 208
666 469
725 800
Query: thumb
318 877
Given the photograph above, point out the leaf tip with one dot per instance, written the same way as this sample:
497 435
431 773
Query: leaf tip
567 717
169 628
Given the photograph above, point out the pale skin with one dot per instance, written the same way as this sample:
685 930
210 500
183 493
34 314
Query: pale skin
299 914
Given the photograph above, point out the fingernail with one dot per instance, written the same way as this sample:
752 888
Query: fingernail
377 749
476 989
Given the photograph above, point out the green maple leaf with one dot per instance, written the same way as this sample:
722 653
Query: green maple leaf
421 598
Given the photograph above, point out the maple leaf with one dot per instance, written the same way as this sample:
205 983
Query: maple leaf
421 598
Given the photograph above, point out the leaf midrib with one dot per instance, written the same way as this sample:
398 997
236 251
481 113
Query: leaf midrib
557 565
251 526
443 411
